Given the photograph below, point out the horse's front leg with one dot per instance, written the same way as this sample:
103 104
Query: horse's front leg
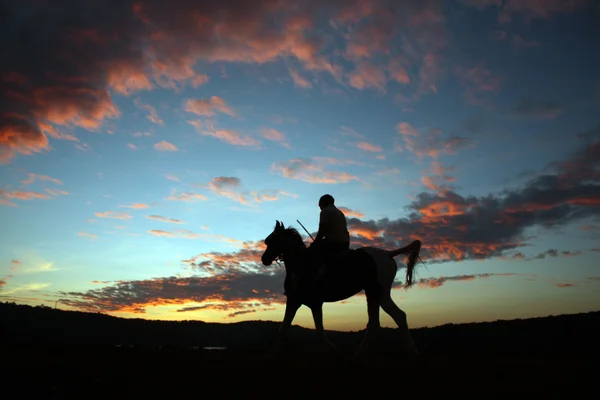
317 312
291 307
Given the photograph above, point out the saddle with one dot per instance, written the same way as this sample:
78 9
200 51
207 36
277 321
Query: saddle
334 260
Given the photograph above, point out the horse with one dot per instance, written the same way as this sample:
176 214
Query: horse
368 268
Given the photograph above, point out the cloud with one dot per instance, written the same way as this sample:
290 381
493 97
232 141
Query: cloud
165 146
5 195
86 234
137 206
369 147
456 227
275 136
299 80
229 186
351 213
207 107
113 215
440 281
226 135
431 144
312 172
527 107
479 81
173 178
33 177
164 219
368 76
143 45
186 196
186 234
152 114
565 285
132 146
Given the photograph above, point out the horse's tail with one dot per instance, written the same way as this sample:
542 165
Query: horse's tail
413 250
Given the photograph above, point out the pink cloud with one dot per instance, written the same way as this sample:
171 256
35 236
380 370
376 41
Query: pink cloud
207 107
275 136
113 215
351 213
367 76
152 114
165 146
299 80
33 177
137 206
308 171
369 147
5 195
228 136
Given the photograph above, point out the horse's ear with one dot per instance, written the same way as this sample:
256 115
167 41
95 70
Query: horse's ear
277 224
282 227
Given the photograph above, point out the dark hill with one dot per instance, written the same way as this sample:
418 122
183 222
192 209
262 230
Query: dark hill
27 325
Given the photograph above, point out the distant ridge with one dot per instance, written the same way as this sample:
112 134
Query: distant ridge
23 324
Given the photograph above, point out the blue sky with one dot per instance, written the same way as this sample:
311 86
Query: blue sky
146 156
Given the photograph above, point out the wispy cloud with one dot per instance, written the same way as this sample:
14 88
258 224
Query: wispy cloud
275 136
86 234
137 206
208 107
165 146
186 196
33 177
308 171
165 219
113 215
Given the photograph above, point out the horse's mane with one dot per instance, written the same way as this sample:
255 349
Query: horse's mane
295 234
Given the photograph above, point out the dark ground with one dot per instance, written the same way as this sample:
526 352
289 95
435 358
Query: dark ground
56 353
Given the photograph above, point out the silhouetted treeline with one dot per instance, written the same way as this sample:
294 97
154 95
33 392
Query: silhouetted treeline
22 325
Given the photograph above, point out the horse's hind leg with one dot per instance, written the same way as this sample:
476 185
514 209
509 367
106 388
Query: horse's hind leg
374 323
399 318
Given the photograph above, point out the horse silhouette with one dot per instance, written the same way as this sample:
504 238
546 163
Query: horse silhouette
367 268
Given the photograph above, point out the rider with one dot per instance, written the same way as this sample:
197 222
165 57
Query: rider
333 237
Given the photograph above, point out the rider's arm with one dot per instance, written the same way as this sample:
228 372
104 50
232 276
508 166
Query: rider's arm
321 232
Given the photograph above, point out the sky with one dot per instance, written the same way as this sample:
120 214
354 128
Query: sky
147 149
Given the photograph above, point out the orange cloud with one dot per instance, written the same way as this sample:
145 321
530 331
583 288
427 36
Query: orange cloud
5 195
207 107
430 144
228 186
188 196
164 219
229 136
165 146
137 206
113 215
186 234
368 147
152 114
32 178
275 136
432 283
85 234
307 171
299 80
351 213
367 76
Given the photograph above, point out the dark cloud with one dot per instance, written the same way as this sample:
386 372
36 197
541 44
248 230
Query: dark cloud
527 107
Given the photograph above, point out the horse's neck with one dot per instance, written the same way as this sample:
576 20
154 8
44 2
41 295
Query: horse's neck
293 256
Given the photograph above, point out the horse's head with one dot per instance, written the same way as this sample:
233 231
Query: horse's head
275 244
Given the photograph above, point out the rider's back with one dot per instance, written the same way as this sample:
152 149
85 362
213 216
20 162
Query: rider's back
333 221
